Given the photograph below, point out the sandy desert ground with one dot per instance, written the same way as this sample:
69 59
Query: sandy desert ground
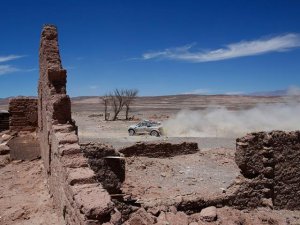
205 173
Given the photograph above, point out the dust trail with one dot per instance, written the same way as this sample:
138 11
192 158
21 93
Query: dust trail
221 122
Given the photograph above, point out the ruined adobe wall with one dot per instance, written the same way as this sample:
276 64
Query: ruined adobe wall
270 165
160 150
23 114
80 198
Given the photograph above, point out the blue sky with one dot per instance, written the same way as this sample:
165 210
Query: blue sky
160 47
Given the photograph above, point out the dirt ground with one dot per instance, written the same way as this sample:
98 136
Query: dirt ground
152 181
24 197
155 180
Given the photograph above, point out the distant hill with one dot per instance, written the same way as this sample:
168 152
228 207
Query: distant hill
4 101
271 93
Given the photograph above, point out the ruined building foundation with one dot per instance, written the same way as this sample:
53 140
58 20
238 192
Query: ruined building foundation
84 180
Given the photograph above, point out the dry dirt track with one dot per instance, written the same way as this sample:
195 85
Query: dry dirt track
24 197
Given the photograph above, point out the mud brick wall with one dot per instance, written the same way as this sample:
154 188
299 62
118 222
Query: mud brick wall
4 121
160 150
23 114
270 165
80 198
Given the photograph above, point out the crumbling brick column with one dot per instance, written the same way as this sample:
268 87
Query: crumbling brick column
54 106
80 198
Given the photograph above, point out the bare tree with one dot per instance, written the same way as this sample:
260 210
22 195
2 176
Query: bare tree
105 101
117 101
130 95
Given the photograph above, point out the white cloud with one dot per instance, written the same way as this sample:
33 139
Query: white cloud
10 57
5 69
241 49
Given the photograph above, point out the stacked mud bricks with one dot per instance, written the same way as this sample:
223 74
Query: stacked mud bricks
23 114
80 198
270 165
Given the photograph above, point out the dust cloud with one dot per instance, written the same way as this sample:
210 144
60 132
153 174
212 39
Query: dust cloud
218 121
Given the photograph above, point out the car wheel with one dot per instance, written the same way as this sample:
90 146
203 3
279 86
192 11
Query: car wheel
154 133
131 132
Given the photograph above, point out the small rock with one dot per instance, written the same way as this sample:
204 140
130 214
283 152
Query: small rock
179 218
173 209
154 211
4 160
5 137
267 202
209 214
163 174
116 217
193 223
4 149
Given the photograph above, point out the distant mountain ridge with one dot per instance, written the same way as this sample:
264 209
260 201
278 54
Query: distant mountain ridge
284 92
271 93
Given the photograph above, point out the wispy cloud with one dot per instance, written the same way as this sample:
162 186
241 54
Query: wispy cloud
10 57
260 46
5 69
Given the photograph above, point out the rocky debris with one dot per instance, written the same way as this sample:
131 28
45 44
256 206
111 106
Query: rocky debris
209 214
160 150
5 137
140 217
4 149
4 160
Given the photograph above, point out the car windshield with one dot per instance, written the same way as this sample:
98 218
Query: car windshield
148 124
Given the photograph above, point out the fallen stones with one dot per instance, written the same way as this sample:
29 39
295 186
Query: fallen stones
5 137
4 160
141 217
4 149
209 214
